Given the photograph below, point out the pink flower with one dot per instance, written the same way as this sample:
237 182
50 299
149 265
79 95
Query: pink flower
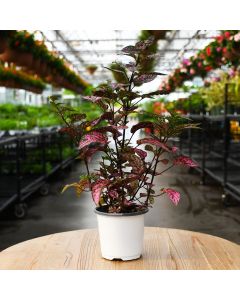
227 34
220 38
199 64
186 62
208 51
185 161
225 50
237 37
192 71
208 68
183 70
231 73
173 195
93 137
97 188
219 49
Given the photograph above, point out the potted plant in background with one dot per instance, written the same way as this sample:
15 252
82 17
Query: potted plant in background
123 187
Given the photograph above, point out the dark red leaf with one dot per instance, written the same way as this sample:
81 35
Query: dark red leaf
129 49
105 116
141 45
141 125
154 142
131 66
164 161
141 153
144 78
112 129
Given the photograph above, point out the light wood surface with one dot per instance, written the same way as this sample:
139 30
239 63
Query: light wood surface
163 249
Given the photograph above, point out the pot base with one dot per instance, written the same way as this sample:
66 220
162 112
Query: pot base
125 258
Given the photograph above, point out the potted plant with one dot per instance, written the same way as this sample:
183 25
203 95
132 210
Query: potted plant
123 187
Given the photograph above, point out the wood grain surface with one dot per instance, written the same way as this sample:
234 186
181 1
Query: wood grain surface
164 249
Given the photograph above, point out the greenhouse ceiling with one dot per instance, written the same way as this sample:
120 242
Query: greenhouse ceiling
82 48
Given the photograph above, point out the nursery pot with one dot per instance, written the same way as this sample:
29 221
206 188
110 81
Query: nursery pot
121 234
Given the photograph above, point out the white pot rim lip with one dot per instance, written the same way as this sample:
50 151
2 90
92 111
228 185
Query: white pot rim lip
137 213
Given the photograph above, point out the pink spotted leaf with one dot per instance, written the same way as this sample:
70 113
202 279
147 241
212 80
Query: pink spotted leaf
88 152
173 195
130 50
93 137
93 98
113 194
185 161
97 188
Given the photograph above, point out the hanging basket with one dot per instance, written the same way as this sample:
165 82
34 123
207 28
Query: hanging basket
34 90
42 69
91 69
23 59
36 65
58 80
10 84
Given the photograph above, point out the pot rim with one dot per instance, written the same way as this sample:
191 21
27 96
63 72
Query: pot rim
136 213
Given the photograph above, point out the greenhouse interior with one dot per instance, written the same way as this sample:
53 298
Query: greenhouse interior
68 96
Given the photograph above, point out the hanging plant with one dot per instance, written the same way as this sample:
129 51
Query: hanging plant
91 69
118 72
12 78
25 51
224 50
148 55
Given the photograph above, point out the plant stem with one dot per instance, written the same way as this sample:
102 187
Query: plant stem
153 175
124 108
89 179
146 173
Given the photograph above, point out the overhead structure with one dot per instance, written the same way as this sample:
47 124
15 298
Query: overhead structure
100 48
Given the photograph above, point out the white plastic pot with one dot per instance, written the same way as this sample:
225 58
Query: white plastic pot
121 235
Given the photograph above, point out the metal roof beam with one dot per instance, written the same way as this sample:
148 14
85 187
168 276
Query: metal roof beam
69 46
161 51
129 40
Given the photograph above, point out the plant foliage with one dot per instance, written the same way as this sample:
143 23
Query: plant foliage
124 181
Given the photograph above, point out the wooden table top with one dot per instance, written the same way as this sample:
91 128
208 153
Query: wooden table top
164 248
